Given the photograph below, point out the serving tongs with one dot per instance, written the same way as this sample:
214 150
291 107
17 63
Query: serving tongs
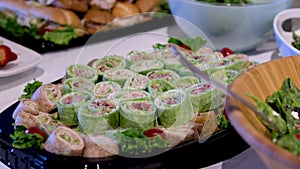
221 87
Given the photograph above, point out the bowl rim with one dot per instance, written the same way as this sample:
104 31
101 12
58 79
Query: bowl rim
259 142
278 21
255 5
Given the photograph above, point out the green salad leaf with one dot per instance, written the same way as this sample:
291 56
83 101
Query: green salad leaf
30 88
296 40
23 140
61 37
134 142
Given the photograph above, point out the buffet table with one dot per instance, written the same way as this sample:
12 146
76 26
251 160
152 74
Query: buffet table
53 64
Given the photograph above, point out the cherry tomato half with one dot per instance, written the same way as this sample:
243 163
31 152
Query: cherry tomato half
153 132
225 114
36 130
298 136
226 51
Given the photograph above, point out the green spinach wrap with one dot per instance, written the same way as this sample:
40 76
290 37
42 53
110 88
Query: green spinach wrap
84 71
165 74
218 64
107 63
173 108
98 115
105 88
77 84
172 64
204 97
118 75
137 114
125 95
145 66
225 76
68 104
237 61
136 82
137 56
158 86
185 82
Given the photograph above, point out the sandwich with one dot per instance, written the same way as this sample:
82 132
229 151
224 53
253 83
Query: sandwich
74 5
41 22
95 20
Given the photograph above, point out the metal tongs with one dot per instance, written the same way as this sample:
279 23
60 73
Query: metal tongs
220 86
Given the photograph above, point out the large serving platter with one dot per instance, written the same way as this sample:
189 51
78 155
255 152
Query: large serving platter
222 145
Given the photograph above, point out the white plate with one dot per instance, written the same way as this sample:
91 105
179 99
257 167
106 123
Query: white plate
26 60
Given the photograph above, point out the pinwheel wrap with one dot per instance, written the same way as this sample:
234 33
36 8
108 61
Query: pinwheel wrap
98 115
137 56
84 71
105 88
136 82
173 108
172 64
204 97
165 74
77 84
107 63
64 141
125 95
138 113
185 82
26 105
225 76
158 86
118 75
68 104
145 66
46 96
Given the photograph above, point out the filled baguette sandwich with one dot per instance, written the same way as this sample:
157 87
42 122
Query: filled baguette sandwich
42 22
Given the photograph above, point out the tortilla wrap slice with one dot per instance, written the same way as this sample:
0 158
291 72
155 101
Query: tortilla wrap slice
26 105
46 96
98 115
137 113
68 104
64 141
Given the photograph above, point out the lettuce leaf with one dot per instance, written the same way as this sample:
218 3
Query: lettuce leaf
61 37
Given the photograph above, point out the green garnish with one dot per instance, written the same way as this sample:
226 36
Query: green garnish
193 43
30 88
133 141
23 140
296 40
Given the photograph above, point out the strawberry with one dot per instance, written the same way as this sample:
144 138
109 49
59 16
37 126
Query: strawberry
6 55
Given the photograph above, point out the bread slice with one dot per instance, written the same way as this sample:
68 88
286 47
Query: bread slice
123 9
98 16
57 15
146 5
95 19
18 7
75 5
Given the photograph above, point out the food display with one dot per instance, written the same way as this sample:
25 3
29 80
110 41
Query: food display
60 22
119 109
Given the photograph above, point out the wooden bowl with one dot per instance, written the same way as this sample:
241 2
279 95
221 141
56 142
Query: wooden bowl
262 81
